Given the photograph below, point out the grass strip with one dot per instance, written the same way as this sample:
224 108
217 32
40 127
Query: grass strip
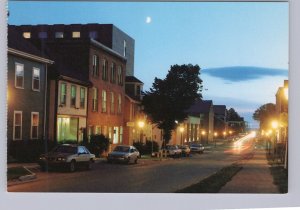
213 183
16 172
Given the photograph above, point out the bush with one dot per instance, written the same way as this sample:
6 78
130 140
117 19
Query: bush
29 150
98 144
146 149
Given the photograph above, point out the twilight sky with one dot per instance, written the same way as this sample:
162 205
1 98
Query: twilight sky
242 48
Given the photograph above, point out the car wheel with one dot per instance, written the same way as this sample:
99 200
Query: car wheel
72 166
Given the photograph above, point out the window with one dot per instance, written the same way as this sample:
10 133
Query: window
34 125
76 34
17 130
120 75
27 35
59 35
95 99
112 104
67 128
125 50
103 101
113 73
116 135
63 93
97 130
73 96
93 34
121 134
119 104
43 35
104 70
82 98
138 90
95 70
19 75
36 79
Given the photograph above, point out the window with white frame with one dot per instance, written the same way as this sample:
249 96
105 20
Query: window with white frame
73 96
82 97
104 70
36 79
120 75
17 129
121 135
19 75
34 125
76 34
95 70
103 101
113 73
95 99
59 35
125 48
119 104
63 94
27 35
112 103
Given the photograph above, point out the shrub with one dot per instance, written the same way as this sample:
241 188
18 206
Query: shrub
146 148
98 144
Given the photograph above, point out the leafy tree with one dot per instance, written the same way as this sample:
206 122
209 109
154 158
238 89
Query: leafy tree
168 98
265 114
236 122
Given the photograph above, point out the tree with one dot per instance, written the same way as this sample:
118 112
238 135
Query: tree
236 122
265 114
168 99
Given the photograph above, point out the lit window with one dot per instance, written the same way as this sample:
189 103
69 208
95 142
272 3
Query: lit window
125 48
82 98
27 35
36 79
63 93
17 132
59 35
43 35
103 101
112 104
120 75
113 73
121 134
116 135
95 99
34 125
73 96
76 34
119 104
95 70
19 75
104 70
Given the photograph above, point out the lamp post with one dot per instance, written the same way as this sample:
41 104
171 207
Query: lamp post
275 125
141 125
181 129
215 137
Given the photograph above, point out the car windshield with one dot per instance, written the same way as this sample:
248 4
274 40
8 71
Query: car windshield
66 149
121 149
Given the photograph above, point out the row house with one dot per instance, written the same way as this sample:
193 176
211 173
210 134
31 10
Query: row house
26 95
87 82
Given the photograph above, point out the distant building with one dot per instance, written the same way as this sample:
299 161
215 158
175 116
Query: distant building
220 124
27 86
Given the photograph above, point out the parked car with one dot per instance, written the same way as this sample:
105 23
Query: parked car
185 150
67 156
173 150
124 153
197 148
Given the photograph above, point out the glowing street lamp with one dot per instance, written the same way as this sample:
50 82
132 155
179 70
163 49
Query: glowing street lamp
215 134
286 93
141 125
275 124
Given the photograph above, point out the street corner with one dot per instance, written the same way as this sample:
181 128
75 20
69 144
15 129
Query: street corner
21 174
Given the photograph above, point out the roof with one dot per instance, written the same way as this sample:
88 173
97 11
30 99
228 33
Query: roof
219 109
200 107
132 79
17 44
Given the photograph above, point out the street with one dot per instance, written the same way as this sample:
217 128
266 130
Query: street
148 176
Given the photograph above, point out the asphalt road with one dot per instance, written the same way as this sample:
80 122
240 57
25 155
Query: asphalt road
147 176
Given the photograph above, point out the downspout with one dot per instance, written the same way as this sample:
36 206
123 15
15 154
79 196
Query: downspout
45 109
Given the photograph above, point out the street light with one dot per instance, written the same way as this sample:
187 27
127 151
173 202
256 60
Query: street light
181 129
275 124
141 125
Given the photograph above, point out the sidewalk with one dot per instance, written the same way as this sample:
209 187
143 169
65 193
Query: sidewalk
255 177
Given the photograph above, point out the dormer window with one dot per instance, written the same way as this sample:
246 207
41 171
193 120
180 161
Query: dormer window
76 34
43 35
59 35
93 34
27 35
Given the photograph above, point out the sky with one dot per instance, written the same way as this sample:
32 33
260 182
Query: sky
241 47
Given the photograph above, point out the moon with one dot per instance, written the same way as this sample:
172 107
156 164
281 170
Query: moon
148 19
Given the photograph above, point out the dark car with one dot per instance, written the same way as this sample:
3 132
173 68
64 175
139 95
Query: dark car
67 156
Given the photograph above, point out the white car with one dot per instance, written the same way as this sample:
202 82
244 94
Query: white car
67 156
173 150
198 148
124 153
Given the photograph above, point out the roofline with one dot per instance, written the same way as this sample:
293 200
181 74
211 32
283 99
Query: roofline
30 56
98 44
77 81
132 100
134 83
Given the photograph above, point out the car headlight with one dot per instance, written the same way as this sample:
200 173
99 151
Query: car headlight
61 159
42 158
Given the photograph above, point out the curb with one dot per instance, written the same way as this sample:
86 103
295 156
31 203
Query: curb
23 179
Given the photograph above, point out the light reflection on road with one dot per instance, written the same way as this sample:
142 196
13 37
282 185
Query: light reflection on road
243 145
